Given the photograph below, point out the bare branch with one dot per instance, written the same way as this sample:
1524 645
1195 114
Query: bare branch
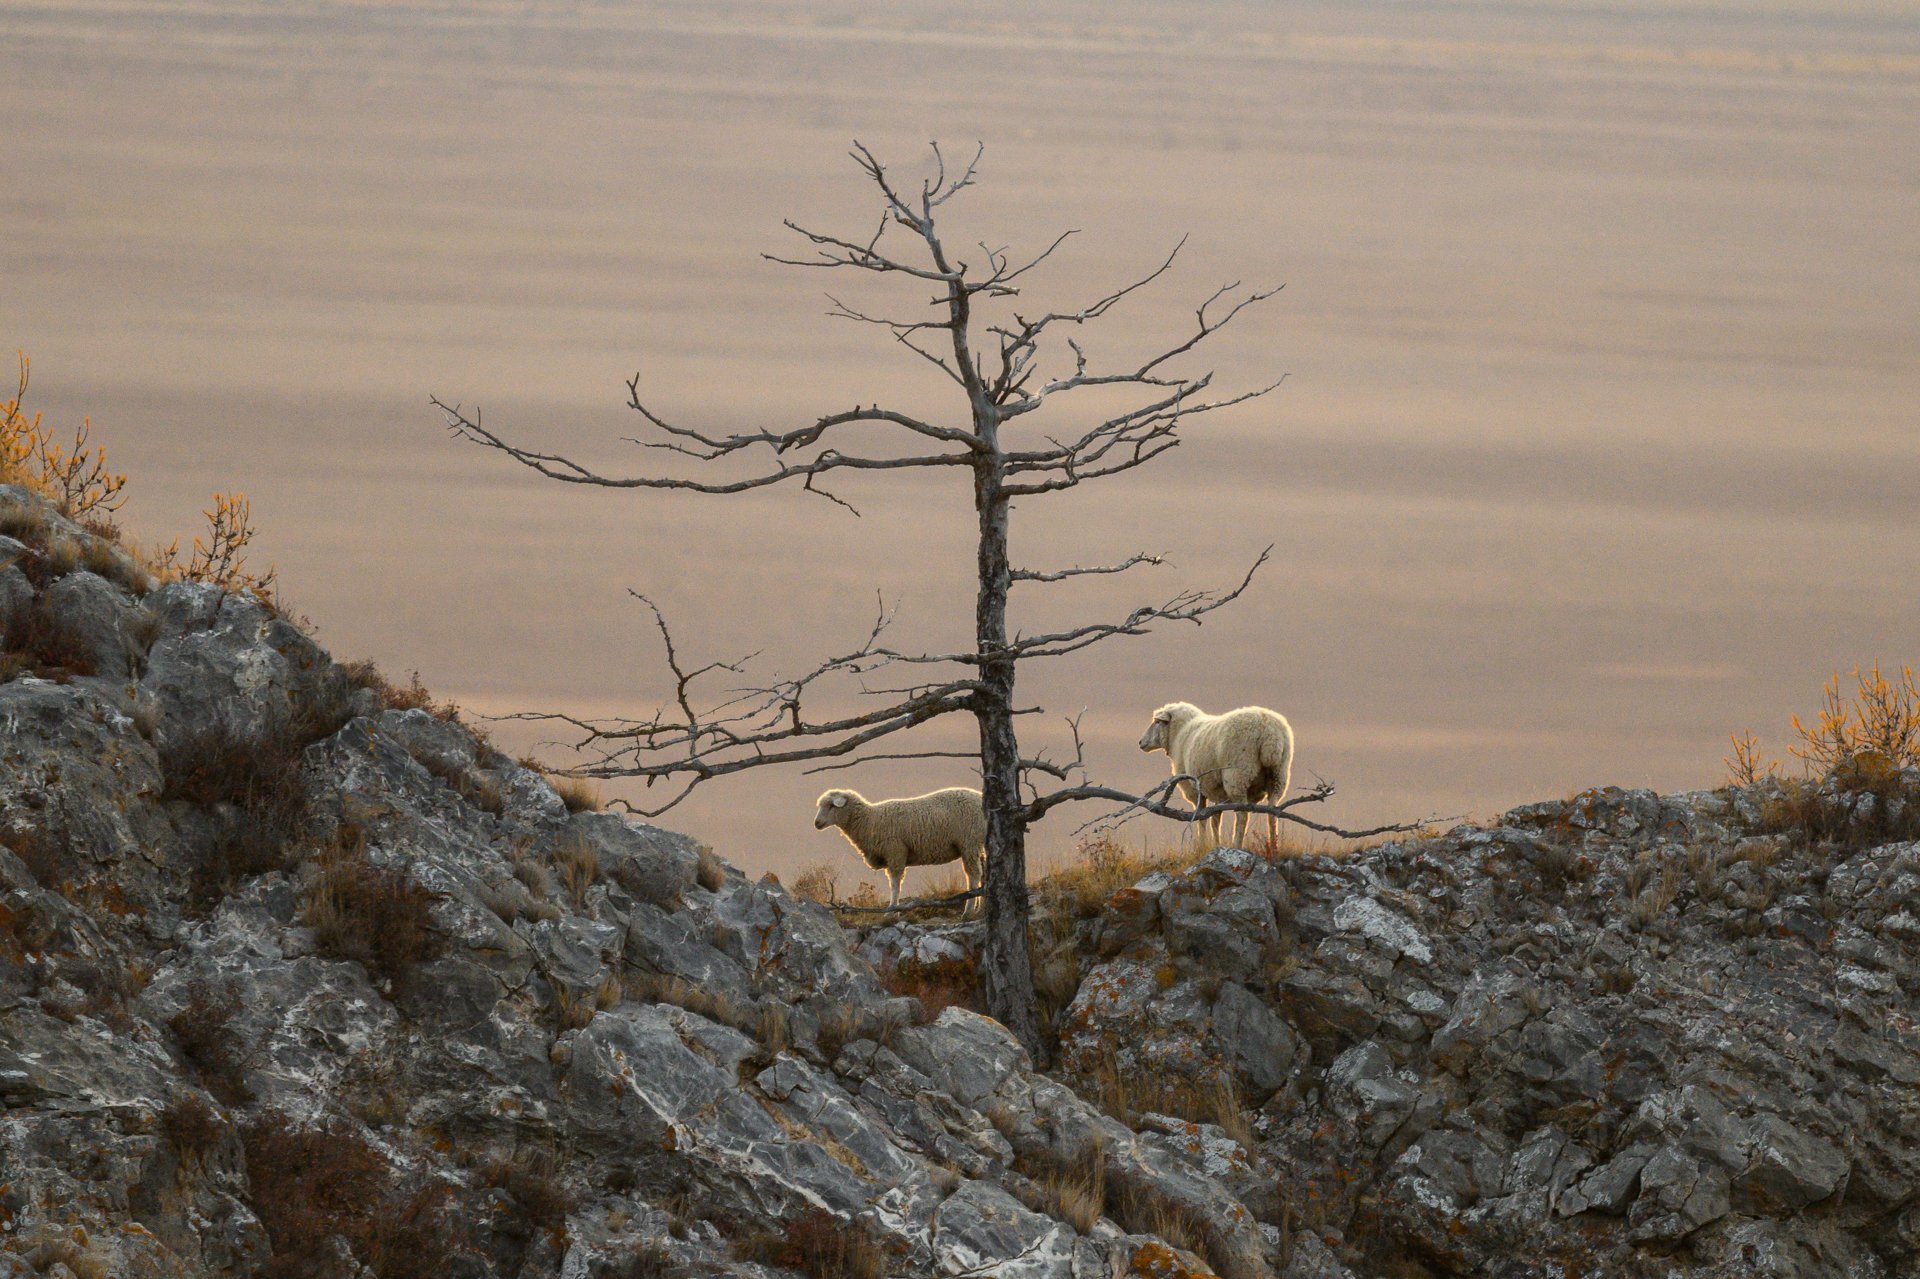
1027 575
1187 606
555 466
1156 802
868 759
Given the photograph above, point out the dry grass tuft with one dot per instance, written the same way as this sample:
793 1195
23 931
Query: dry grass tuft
375 915
577 865
657 988
1127 1094
711 872
579 794
817 1244
478 788
1073 1191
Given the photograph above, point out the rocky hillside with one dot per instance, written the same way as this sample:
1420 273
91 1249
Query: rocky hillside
299 977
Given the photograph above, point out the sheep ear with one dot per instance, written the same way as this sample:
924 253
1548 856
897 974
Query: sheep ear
839 801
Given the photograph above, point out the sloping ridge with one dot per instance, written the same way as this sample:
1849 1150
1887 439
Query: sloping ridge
298 978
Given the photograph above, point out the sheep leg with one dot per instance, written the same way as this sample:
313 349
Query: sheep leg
1240 828
894 875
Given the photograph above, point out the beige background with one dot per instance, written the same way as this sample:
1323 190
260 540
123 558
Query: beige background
1598 440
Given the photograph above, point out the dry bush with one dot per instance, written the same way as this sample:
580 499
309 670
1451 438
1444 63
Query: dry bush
1103 866
1881 717
818 1244
1858 756
219 558
1746 766
260 777
17 433
191 1126
819 882
578 794
938 984
375 915
42 643
203 1029
74 476
311 1184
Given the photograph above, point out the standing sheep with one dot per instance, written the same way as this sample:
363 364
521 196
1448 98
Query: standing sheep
927 830
1241 757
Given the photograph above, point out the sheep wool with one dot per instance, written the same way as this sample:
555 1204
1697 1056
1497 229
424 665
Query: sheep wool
1242 757
924 830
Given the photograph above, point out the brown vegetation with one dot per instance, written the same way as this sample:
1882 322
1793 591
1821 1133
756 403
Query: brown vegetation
1860 755
74 476
530 1178
191 1126
710 873
41 643
203 1029
578 794
255 786
938 984
311 1184
375 915
819 882
817 1244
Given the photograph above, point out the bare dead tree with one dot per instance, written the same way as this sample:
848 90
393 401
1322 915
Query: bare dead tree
1005 367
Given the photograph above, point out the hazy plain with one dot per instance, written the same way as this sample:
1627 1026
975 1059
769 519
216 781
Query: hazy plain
1599 438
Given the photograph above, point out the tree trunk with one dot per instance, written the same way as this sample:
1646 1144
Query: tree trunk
1006 967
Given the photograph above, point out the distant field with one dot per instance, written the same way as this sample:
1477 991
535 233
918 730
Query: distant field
1598 442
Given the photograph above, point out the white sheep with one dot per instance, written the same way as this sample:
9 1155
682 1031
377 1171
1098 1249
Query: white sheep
927 830
1241 757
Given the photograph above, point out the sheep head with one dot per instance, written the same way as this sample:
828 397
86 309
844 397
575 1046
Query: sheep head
832 810
1167 721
